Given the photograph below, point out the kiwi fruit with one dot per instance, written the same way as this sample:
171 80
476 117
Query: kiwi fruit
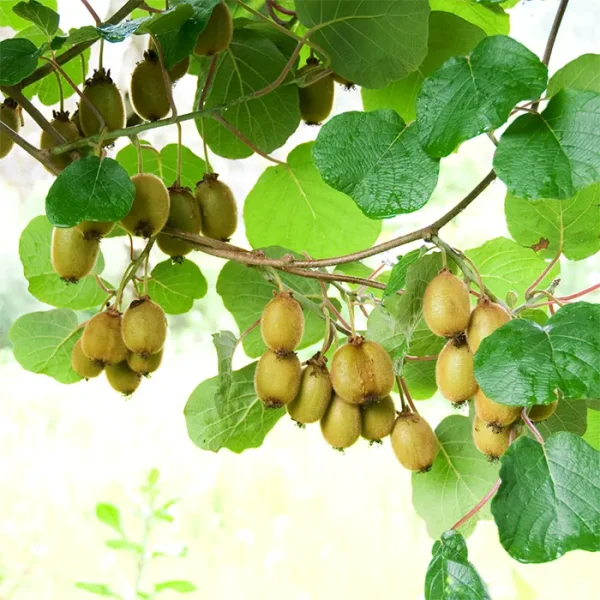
495 414
489 441
122 378
9 115
217 34
316 99
282 323
446 306
144 327
178 70
361 371
77 122
486 317
341 423
454 371
414 442
144 365
95 230
314 395
218 207
184 214
69 132
82 365
150 210
101 341
149 94
277 378
73 256
345 83
102 93
378 419
541 412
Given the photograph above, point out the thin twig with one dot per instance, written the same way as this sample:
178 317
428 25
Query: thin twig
421 358
478 506
560 13
39 155
592 288
330 306
532 427
407 395
92 12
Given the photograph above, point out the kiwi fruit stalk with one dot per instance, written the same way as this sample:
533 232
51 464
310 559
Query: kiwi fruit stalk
95 230
144 365
122 379
446 306
277 378
63 125
414 442
101 341
144 327
454 371
9 115
149 93
486 317
73 256
217 34
489 441
82 365
218 207
102 93
542 412
150 210
184 214
495 414
282 323
316 99
314 395
378 419
341 423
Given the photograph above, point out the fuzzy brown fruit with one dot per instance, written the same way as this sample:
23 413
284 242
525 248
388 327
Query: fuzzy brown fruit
378 419
361 371
316 99
414 442
63 125
218 207
341 423
144 327
101 91
542 412
73 256
217 34
101 341
446 306
82 365
184 215
9 115
486 317
454 371
496 414
314 395
95 230
122 378
149 93
489 441
150 210
144 365
277 378
282 323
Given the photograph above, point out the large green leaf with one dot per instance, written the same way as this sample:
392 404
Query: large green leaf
43 17
369 43
469 95
377 160
583 73
18 59
8 18
492 19
552 155
549 501
291 206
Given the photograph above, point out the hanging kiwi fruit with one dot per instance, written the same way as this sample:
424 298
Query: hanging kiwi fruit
282 323
314 395
68 130
218 207
341 424
103 94
122 379
498 416
316 99
490 441
9 115
95 230
149 92
73 256
82 365
184 215
150 210
102 341
178 70
542 412
277 378
486 317
144 365
217 34
454 371
378 419
446 306
144 327
414 442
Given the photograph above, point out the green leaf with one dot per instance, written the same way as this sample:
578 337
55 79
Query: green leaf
153 477
151 158
549 501
237 421
10 19
44 283
124 545
225 343
583 73
41 16
492 19
450 575
109 515
399 271
43 343
570 415
449 36
592 433
369 43
183 587
87 33
522 363
469 95
175 286
91 189
100 589
557 146
459 478
291 206
377 160
18 59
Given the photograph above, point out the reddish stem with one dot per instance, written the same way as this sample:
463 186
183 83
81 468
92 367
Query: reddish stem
593 288
408 396
532 427
209 77
478 506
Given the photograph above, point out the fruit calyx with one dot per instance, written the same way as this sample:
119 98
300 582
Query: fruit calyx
99 77
179 188
10 103
208 177
151 55
459 340
356 340
318 360
63 116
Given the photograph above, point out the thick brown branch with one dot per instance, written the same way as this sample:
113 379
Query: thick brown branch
560 13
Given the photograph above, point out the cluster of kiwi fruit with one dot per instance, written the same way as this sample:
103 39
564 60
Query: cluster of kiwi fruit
352 400
447 312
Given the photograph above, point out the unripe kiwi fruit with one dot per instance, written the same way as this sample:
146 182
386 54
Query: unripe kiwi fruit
414 442
122 378
454 371
101 341
184 214
486 317
489 441
217 34
150 209
144 327
144 365
316 99
77 122
9 115
282 323
361 371
95 230
68 130
341 423
277 378
497 415
73 256
446 306
149 94
378 419
541 412
218 207
105 96
178 70
82 365
314 395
